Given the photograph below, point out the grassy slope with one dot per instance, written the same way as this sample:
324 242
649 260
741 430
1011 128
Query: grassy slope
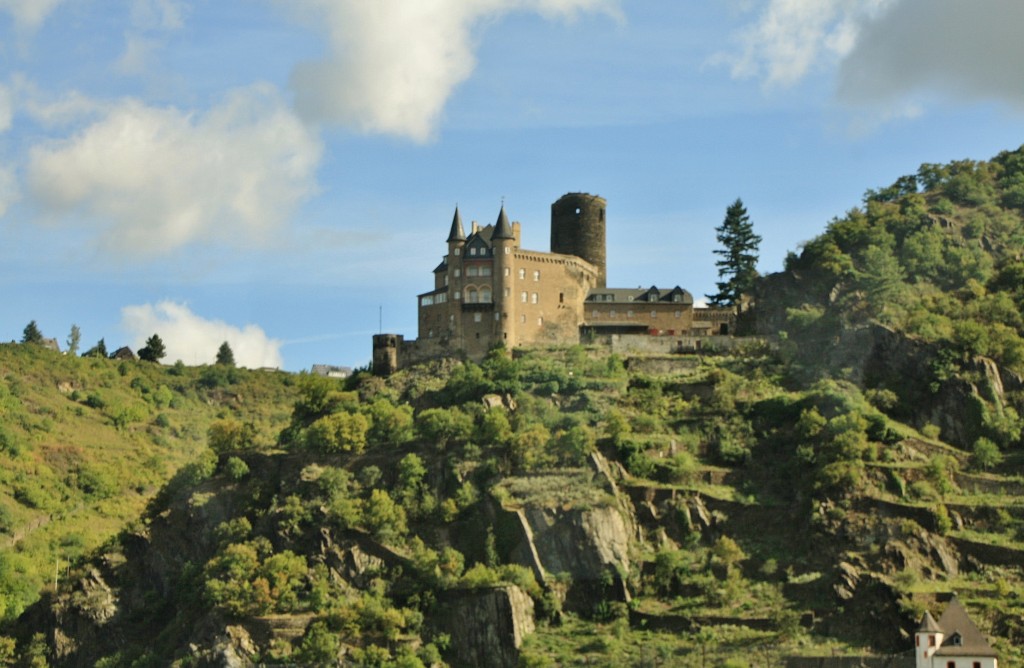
85 443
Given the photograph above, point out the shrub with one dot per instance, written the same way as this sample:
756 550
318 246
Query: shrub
236 468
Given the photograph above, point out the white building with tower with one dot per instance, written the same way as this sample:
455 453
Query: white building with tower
952 642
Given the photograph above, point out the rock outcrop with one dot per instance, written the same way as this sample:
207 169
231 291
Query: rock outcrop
487 626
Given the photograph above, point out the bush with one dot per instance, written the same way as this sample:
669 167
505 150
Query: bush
236 468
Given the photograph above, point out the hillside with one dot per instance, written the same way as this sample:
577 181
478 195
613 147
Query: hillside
85 443
810 495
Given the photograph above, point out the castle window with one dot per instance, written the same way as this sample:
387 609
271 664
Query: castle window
533 298
540 322
472 271
477 317
508 291
472 251
561 297
629 313
522 273
485 271
611 314
458 295
507 250
679 314
536 275
497 317
458 251
485 295
430 333
508 272
446 279
458 272
523 297
426 301
654 314
471 296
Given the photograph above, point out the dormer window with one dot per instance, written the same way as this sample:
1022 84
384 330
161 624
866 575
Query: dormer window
472 251
956 640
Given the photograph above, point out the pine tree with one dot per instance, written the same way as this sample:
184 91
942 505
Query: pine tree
98 350
154 350
31 334
225 356
738 267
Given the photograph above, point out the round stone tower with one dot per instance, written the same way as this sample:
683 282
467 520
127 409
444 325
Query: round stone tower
577 228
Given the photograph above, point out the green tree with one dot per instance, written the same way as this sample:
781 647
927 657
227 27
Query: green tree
737 267
98 350
74 340
154 350
225 356
31 334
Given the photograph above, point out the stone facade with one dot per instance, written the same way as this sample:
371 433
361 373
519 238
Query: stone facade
488 290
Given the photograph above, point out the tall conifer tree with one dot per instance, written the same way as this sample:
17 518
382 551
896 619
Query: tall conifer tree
737 268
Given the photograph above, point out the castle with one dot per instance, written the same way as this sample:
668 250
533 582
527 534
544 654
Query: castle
488 290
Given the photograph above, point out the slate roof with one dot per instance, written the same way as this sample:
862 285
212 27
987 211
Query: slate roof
928 624
456 233
961 636
503 229
651 294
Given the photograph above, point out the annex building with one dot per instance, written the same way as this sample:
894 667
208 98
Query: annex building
488 290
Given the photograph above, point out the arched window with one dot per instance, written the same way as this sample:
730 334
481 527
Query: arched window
533 298
536 275
523 297
485 295
471 296
522 273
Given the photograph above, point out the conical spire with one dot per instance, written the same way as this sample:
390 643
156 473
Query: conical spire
503 229
457 233
928 624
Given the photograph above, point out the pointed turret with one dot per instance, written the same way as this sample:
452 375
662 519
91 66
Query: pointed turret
457 233
928 624
503 229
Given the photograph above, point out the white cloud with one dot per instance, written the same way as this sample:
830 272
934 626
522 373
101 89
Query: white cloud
392 64
153 180
792 37
962 50
195 340
29 14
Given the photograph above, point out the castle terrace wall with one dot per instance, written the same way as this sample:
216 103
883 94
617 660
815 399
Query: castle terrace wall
638 344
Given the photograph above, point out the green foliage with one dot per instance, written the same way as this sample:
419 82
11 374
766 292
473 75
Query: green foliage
31 334
737 267
230 436
154 350
225 356
338 432
985 454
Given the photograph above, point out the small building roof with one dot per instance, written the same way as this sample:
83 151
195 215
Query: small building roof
928 624
961 636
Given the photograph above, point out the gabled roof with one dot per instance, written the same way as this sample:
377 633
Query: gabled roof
456 233
962 637
503 229
443 266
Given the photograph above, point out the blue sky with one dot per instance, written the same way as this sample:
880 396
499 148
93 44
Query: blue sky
281 174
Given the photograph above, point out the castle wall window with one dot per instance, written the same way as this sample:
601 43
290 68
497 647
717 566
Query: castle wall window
629 314
522 273
472 270
611 314
540 322
477 317
472 251
507 250
654 315
536 275
508 291
523 297
458 251
446 279
497 317
485 271
485 295
679 314
508 272
458 272
458 295
427 301
561 297
533 298
471 296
